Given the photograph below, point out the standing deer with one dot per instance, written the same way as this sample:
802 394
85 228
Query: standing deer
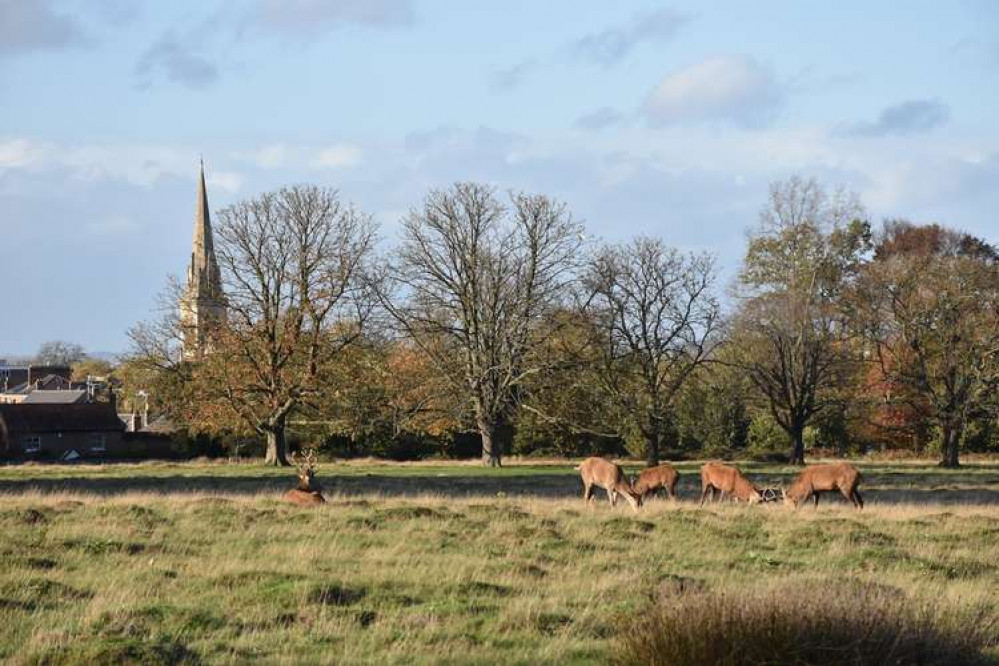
817 479
597 472
650 480
308 491
729 481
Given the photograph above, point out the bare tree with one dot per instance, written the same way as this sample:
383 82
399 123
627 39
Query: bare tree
292 264
473 280
790 332
59 353
656 319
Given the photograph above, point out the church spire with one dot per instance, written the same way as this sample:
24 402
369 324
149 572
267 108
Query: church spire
203 305
202 248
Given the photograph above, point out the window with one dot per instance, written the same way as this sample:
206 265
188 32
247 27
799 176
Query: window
32 444
96 443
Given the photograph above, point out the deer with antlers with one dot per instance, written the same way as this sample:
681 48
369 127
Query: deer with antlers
308 491
730 482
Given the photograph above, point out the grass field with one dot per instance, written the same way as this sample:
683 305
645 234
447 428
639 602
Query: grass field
439 563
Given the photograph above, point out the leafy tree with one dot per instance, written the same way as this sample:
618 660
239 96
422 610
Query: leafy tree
293 266
930 311
91 367
790 331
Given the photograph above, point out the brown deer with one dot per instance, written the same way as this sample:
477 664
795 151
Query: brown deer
600 473
308 491
818 479
652 479
729 481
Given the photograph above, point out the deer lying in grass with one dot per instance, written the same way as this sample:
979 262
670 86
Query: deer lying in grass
817 479
308 491
650 480
729 481
597 472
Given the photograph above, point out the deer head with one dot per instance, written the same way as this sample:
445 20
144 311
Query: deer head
305 464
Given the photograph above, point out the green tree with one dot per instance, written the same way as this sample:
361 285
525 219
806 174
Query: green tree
790 331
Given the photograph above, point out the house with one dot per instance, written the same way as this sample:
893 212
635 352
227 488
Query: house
17 382
60 431
56 397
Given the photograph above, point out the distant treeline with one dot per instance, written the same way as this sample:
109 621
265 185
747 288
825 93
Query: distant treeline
496 325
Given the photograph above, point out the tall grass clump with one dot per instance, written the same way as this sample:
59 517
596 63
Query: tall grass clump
821 622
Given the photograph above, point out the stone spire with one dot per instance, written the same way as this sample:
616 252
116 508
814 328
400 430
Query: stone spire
203 303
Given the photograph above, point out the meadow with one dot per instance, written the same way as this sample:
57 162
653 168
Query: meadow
447 563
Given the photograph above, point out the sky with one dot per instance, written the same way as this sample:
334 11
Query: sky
666 119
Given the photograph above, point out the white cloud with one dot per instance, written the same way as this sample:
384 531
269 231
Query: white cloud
272 156
136 164
730 88
337 157
227 181
18 153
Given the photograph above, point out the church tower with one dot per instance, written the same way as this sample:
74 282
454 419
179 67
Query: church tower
203 304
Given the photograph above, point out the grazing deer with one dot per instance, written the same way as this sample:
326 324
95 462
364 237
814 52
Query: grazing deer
650 480
729 481
308 491
603 474
817 479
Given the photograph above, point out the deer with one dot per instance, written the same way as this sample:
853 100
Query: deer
600 473
817 479
728 480
308 491
649 481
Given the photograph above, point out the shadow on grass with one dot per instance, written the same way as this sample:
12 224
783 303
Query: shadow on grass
912 488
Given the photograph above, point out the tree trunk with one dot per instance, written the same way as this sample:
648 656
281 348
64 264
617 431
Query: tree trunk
277 453
798 445
492 442
652 446
951 446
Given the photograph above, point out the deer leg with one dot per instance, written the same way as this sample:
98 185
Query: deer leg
672 490
587 493
612 496
704 493
815 499
848 494
859 503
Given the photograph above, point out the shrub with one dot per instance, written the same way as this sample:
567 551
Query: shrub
765 435
823 622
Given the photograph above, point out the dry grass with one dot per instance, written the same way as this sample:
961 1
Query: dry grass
162 576
834 622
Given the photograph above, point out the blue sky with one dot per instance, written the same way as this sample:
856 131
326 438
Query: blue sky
667 119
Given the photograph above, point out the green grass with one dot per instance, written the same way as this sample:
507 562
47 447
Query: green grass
106 573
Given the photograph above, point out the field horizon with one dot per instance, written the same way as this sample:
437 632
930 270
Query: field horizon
457 573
